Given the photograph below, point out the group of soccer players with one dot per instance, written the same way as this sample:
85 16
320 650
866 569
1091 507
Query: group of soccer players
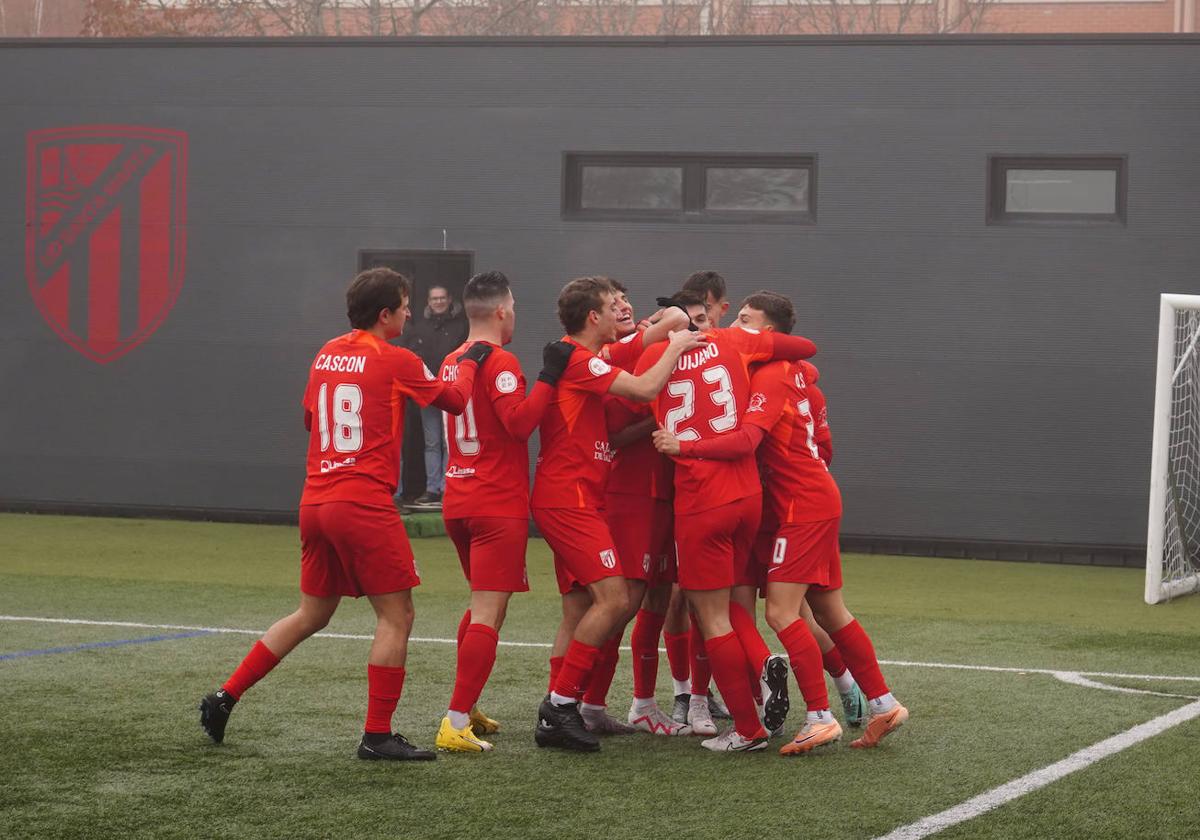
682 472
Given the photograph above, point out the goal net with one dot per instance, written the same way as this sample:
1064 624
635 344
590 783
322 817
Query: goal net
1173 543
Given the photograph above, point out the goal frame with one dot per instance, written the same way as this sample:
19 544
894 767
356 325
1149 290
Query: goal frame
1158 590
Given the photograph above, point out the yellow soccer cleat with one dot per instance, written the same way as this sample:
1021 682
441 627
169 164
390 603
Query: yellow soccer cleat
811 736
450 739
481 724
880 725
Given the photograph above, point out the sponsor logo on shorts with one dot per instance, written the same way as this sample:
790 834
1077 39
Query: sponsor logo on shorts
598 366
506 382
646 563
608 558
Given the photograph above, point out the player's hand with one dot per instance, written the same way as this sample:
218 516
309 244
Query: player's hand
477 353
665 442
555 357
667 303
685 340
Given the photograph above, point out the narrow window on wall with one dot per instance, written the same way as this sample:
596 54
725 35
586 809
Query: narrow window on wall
691 187
1056 189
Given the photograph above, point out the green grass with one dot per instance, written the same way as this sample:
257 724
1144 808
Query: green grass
104 742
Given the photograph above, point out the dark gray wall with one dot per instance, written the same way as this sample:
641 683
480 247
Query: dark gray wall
985 383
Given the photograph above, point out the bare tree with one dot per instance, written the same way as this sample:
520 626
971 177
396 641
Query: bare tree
857 17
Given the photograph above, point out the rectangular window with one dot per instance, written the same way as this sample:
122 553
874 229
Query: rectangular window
689 187
1056 189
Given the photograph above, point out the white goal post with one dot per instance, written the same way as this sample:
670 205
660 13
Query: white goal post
1173 540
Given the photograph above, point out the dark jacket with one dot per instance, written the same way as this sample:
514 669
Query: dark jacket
433 337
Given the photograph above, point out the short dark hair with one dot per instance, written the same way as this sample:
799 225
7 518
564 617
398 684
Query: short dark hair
579 297
617 285
689 297
484 292
705 282
776 307
371 292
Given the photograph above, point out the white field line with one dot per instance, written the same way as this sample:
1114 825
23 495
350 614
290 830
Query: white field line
432 640
1074 678
1007 792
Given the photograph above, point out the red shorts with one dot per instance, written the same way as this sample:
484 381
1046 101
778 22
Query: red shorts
713 547
349 549
492 552
807 552
584 551
642 528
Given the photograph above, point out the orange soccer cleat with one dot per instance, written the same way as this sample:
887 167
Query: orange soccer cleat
811 736
879 726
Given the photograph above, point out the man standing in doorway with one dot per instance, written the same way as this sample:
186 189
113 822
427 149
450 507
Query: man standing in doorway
442 329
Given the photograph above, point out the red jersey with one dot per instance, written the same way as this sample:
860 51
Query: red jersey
704 398
625 351
355 397
488 466
823 435
573 464
798 484
638 469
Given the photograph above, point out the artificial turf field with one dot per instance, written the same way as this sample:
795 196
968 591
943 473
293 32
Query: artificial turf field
103 740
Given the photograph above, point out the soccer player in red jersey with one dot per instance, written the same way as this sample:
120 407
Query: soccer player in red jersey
353 541
637 508
568 495
805 561
486 503
717 511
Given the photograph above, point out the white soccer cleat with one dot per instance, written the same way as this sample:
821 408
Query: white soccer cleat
699 717
732 741
657 722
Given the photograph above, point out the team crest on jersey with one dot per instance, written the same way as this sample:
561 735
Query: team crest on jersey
608 558
758 401
646 563
506 382
105 232
598 366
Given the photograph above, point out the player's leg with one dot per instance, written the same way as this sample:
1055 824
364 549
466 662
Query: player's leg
784 604
321 585
854 702
644 713
385 679
711 612
677 632
594 707
886 713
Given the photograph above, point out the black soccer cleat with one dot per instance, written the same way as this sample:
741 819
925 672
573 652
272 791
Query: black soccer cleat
386 746
215 710
774 683
563 727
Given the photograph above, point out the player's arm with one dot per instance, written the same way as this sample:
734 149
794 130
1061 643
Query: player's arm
726 447
790 348
668 321
521 415
625 423
645 386
451 397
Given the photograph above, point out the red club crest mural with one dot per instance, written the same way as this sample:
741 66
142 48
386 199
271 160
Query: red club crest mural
105 232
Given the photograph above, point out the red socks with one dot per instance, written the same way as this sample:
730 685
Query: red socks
701 669
678 654
805 654
603 671
257 664
644 640
835 666
384 685
576 667
859 654
729 670
463 625
476 656
556 663
752 642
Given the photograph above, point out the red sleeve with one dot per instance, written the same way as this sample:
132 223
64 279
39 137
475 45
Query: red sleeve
768 396
790 348
625 352
727 447
415 380
455 395
504 383
588 372
620 413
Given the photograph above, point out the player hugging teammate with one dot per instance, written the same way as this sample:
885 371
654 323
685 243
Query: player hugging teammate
657 440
